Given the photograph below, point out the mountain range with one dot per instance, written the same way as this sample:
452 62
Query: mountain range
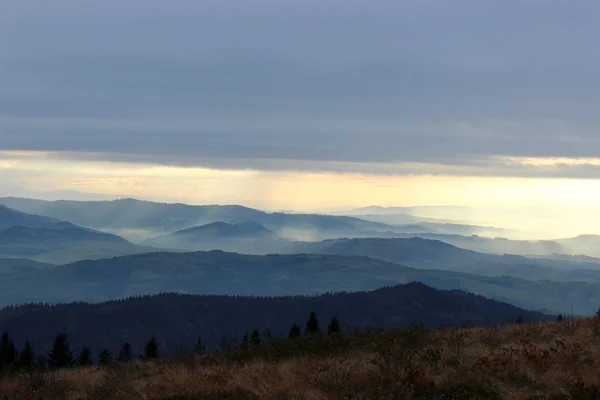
143 220
159 217
218 272
94 265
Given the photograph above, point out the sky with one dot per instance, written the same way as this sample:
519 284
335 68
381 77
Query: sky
308 105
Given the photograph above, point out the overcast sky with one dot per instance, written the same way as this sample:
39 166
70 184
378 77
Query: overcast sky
306 105
281 84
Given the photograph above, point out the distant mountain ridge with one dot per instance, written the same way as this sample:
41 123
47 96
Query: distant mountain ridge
131 213
246 237
217 272
50 240
246 229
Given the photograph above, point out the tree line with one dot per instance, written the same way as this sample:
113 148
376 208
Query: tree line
61 354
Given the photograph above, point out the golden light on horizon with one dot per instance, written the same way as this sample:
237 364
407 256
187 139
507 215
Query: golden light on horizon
308 191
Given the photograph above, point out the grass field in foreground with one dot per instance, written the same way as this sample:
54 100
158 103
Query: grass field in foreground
558 360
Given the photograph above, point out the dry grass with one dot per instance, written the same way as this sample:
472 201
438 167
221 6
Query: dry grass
529 361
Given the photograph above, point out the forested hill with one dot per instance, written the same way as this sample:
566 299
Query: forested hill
178 320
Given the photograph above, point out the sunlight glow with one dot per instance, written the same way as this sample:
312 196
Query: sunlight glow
571 203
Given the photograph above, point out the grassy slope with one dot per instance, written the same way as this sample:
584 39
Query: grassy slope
519 362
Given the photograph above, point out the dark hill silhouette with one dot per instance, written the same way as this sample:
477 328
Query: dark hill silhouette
178 320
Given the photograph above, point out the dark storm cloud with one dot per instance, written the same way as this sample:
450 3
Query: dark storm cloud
279 85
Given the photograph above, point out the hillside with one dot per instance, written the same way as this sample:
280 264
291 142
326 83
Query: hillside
10 217
245 237
16 266
245 229
552 360
439 225
434 254
588 245
217 272
63 242
178 320
496 245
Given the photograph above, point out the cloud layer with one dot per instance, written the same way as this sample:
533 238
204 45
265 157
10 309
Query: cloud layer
416 87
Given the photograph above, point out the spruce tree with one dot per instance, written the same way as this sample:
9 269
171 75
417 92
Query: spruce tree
61 355
295 332
125 355
8 352
334 327
85 357
199 348
152 348
104 357
255 338
312 325
26 357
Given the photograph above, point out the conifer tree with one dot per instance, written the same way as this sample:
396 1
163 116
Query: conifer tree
125 355
267 335
312 325
61 355
152 348
295 332
255 338
85 357
334 327
199 348
105 357
8 352
26 357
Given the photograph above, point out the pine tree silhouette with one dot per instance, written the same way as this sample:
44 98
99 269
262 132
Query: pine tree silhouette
125 355
26 357
334 327
61 355
199 348
255 338
295 332
8 352
85 357
312 325
104 357
152 348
